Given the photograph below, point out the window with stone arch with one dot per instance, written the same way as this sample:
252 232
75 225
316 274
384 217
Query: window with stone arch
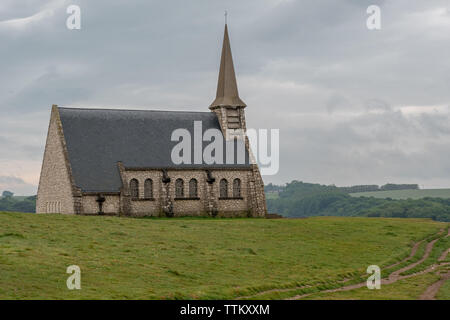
223 188
179 188
148 189
134 189
237 188
193 188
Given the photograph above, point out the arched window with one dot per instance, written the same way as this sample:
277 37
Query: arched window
179 188
223 188
193 193
237 188
134 188
148 189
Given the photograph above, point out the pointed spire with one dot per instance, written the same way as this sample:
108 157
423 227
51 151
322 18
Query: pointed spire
227 91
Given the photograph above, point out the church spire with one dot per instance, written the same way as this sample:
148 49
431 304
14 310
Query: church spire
227 91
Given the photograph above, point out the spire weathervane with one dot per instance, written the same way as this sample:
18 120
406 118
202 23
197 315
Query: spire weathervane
226 15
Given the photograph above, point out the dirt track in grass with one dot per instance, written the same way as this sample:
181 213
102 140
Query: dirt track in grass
430 293
395 276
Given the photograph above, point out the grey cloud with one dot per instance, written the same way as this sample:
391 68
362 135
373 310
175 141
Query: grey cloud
337 102
310 68
377 104
16 185
379 148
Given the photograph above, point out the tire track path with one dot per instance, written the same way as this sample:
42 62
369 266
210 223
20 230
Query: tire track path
358 285
395 276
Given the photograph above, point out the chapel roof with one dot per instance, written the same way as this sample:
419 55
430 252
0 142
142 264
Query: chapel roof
97 139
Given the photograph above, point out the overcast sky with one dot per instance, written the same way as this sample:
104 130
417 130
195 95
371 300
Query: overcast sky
354 106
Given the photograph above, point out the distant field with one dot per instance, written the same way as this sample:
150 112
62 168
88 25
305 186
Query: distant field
405 194
18 197
272 196
195 258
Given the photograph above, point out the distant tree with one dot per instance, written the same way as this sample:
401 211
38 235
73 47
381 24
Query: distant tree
15 204
360 188
7 194
392 186
300 199
273 188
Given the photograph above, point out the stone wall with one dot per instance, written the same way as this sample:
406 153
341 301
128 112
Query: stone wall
141 206
110 206
183 207
55 191
187 206
235 206
255 184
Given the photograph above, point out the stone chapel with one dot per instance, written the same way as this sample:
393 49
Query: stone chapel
118 162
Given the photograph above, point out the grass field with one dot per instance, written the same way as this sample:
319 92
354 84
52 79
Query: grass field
406 194
401 290
444 292
123 258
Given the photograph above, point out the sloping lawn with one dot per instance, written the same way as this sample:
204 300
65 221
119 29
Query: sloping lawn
124 258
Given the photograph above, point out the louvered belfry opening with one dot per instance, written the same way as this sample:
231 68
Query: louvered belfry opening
234 119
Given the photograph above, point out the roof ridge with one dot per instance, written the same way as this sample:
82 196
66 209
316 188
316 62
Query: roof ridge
144 110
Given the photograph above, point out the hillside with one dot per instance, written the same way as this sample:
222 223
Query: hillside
406 194
18 204
123 258
300 199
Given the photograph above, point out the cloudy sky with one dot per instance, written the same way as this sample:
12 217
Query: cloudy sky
354 106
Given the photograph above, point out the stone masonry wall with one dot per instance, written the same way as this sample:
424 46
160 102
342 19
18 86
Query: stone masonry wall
234 206
110 206
141 206
187 206
255 183
55 188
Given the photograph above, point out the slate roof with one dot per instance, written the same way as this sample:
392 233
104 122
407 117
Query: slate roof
97 139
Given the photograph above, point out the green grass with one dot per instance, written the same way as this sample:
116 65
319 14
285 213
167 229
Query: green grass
439 247
410 288
418 255
123 258
406 194
444 291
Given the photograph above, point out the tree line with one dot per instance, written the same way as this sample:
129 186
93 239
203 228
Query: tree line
299 199
374 187
10 203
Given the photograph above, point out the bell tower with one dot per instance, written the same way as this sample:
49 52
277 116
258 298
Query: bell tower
227 105
229 109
